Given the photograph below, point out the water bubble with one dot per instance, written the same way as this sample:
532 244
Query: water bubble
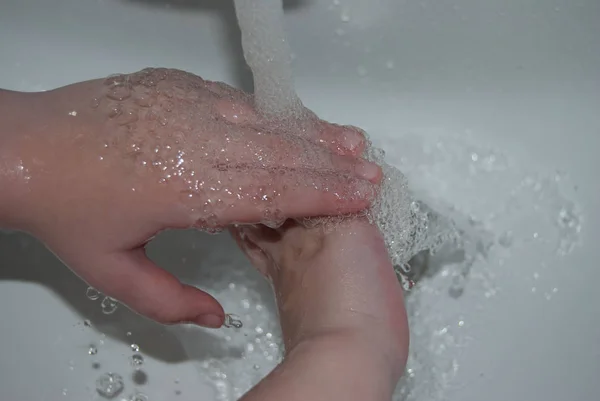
109 385
139 377
109 305
137 397
136 361
232 320
135 347
92 350
119 92
92 293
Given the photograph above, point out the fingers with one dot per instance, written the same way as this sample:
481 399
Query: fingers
256 255
134 280
296 193
343 140
273 150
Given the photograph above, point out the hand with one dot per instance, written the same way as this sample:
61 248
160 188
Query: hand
107 164
341 311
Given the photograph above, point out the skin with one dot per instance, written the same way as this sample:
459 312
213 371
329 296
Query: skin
341 309
96 169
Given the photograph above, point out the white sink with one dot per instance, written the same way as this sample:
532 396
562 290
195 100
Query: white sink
491 108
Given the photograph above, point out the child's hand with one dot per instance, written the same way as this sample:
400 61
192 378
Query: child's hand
339 300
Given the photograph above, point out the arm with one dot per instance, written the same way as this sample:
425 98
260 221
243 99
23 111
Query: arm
96 169
13 174
342 315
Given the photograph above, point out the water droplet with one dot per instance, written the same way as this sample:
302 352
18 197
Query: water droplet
109 385
256 367
362 70
136 361
137 397
127 117
139 377
345 17
93 350
119 92
390 64
87 323
135 347
109 305
232 320
128 334
92 293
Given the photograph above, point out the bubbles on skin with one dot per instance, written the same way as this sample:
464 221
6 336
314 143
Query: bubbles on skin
160 119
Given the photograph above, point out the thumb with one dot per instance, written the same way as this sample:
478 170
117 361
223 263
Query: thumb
134 280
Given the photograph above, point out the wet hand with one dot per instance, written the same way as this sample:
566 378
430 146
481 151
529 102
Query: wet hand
107 164
341 310
328 278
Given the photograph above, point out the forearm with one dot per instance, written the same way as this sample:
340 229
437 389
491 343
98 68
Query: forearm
343 321
25 119
332 367
12 170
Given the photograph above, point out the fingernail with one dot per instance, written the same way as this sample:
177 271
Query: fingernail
210 321
369 171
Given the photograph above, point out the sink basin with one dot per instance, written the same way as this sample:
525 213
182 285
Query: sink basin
491 110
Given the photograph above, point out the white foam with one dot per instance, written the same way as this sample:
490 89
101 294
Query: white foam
268 54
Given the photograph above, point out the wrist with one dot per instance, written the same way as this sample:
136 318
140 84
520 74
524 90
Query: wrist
345 290
25 118
376 370
13 172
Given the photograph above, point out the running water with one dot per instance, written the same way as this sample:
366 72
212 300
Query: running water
408 226
268 54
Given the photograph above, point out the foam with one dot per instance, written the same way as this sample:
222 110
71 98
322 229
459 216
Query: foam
407 226
268 54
